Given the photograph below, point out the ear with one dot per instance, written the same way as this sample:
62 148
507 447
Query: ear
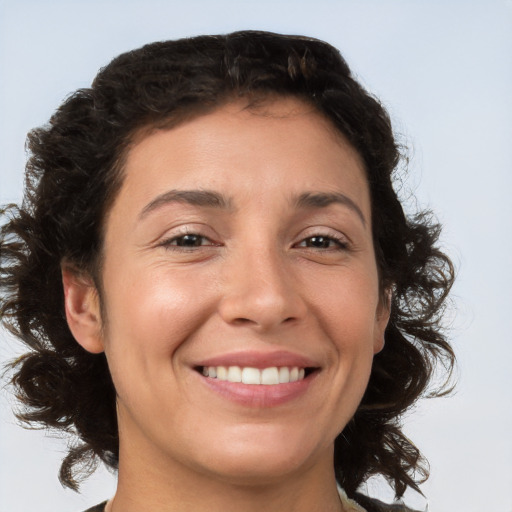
382 319
83 313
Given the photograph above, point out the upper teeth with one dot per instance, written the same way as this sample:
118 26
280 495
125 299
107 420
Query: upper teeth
247 375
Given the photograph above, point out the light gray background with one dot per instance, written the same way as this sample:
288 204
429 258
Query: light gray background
444 70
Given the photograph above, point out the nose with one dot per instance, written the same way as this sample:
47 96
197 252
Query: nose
260 291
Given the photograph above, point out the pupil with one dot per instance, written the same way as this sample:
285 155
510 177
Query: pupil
319 241
189 241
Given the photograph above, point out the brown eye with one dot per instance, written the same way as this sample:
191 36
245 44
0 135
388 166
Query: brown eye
189 241
319 242
322 242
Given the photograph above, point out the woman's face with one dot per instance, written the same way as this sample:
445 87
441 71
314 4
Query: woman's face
240 247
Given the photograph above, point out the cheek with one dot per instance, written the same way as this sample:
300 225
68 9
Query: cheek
347 304
151 316
347 310
149 319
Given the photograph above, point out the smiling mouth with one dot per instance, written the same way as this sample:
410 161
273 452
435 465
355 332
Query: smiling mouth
270 376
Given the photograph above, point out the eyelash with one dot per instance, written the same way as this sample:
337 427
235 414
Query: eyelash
173 243
340 244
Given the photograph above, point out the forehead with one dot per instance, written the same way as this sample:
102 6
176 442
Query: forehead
280 143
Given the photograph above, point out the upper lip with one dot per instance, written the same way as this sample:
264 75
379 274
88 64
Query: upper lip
254 359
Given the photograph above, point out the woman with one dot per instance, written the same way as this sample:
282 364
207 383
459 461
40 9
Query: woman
221 293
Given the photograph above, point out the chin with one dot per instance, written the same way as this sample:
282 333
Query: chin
265 458
250 471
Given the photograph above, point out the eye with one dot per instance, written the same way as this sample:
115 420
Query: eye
323 242
187 241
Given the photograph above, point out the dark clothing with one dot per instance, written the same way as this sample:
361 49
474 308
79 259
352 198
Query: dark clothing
97 508
373 505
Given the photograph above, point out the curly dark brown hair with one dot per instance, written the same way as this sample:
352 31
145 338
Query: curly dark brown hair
75 170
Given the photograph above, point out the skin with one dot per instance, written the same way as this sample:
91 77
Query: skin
254 279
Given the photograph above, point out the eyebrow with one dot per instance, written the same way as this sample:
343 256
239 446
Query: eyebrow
324 199
211 199
204 198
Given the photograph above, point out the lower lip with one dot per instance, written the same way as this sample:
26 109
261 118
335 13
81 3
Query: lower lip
259 395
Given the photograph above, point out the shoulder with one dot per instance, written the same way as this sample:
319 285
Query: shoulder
374 505
97 508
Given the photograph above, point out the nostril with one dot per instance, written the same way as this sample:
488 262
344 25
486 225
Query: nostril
243 321
247 321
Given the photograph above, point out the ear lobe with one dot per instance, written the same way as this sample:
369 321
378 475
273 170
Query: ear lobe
381 320
81 303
